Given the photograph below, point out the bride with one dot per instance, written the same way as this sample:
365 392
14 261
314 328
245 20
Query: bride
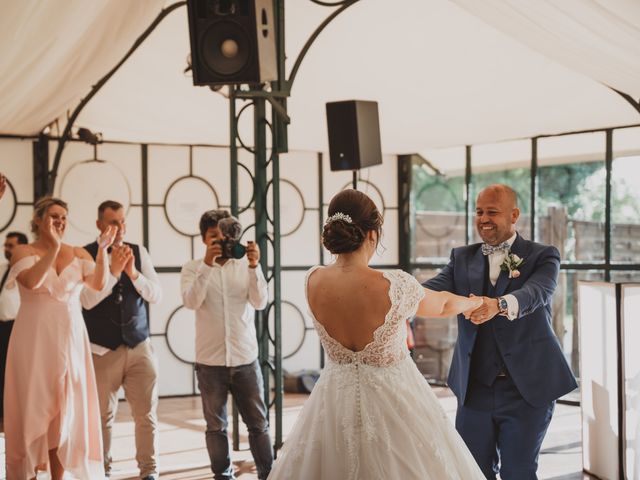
371 415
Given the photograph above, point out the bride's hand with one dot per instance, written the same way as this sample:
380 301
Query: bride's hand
50 235
107 237
475 304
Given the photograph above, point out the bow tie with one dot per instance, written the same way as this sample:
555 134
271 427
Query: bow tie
490 249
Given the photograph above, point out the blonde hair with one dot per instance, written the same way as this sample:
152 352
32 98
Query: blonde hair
41 207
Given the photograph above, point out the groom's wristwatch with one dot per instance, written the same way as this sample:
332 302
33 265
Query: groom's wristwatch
503 307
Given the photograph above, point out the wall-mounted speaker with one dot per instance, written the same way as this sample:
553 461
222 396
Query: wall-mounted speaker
232 41
354 134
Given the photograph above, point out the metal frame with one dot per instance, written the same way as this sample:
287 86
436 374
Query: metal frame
607 266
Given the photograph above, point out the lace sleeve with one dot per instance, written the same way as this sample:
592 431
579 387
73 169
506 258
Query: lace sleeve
413 293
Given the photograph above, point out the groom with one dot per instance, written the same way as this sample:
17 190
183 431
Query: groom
507 368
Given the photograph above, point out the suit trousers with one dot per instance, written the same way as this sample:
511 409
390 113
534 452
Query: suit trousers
135 369
503 432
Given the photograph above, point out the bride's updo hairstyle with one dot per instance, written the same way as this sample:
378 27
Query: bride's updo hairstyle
351 216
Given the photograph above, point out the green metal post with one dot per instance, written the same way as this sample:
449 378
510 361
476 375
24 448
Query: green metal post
261 223
405 163
233 166
233 151
40 167
279 142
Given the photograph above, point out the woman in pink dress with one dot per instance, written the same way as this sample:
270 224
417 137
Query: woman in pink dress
51 404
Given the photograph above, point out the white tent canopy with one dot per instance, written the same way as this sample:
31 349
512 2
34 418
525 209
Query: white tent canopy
441 75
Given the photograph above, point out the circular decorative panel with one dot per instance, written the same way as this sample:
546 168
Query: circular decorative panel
8 206
294 329
292 207
186 200
86 185
181 334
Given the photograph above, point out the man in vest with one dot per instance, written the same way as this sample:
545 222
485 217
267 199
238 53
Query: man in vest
118 326
508 368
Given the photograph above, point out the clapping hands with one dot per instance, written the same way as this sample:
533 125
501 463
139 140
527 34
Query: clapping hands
120 256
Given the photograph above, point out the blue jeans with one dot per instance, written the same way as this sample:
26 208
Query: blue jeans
245 385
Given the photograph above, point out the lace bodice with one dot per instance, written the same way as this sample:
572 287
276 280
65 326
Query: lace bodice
389 340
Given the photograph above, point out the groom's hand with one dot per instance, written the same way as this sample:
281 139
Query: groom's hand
485 312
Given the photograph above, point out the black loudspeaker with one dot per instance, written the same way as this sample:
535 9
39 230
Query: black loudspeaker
232 41
354 134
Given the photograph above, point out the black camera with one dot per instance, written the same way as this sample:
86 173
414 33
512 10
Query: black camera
232 248
231 230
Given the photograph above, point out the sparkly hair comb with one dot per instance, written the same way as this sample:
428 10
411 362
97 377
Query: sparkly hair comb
339 216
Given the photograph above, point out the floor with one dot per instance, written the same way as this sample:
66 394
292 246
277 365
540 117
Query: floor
184 456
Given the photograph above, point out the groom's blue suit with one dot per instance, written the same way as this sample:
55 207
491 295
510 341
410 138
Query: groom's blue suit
506 374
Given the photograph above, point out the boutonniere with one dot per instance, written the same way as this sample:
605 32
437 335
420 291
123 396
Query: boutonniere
510 264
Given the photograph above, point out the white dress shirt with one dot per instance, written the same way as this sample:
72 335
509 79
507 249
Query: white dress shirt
147 285
224 298
9 299
495 260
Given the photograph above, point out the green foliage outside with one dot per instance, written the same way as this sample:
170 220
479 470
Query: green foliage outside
579 187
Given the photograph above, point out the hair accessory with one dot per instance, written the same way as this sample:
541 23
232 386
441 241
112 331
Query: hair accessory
339 216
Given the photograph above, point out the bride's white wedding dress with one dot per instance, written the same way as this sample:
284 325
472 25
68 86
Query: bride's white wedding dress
372 415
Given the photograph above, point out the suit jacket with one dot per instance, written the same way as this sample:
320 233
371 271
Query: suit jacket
528 346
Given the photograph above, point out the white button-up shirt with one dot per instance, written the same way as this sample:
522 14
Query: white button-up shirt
224 298
495 260
9 299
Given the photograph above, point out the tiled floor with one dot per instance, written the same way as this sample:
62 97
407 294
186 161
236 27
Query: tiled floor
184 456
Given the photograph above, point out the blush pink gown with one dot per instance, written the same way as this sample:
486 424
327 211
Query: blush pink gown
50 390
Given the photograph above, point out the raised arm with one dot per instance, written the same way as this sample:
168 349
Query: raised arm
445 304
32 278
98 279
146 282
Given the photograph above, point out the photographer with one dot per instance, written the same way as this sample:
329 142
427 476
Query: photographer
224 288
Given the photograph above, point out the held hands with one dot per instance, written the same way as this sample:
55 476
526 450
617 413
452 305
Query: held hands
487 309
253 254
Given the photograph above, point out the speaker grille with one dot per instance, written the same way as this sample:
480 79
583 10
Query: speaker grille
218 43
